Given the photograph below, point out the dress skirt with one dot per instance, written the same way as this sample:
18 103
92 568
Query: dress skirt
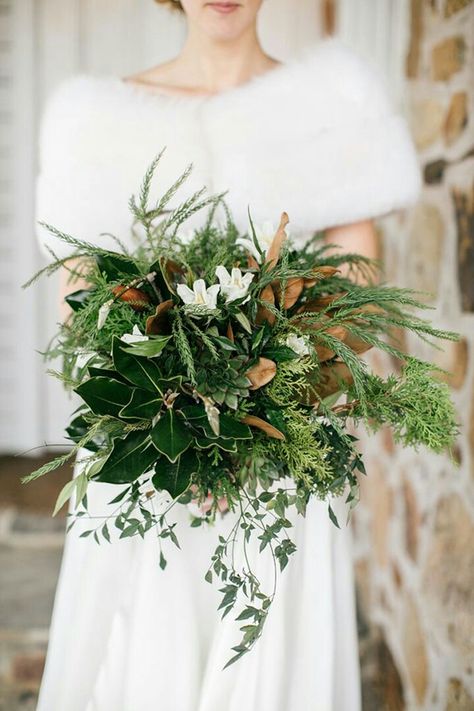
128 636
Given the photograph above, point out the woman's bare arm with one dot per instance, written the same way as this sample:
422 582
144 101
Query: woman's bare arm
359 237
67 284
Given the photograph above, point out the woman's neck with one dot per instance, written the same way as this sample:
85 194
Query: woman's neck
216 66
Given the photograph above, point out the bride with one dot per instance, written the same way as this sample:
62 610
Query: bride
318 138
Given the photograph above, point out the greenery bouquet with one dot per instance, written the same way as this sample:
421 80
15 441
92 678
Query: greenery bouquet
215 364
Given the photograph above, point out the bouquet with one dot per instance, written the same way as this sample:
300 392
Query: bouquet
215 365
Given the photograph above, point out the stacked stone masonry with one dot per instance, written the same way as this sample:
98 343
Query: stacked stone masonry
414 526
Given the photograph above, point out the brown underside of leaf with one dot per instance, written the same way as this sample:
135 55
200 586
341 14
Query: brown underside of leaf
274 250
159 322
321 302
325 382
356 344
264 426
230 332
252 262
261 373
264 314
137 299
294 287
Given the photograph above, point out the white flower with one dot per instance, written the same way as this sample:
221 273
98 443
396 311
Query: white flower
103 313
134 337
298 344
234 285
199 294
264 234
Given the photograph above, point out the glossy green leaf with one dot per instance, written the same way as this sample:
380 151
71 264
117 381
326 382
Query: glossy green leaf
78 298
170 435
280 354
115 267
139 371
143 405
130 457
104 396
229 427
228 445
175 477
148 349
106 373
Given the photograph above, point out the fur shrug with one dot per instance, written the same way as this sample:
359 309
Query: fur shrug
317 137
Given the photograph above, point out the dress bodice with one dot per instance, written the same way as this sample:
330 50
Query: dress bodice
317 137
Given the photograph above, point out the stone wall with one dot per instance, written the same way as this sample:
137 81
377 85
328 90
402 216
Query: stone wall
414 527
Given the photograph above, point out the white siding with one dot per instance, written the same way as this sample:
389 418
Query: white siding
379 31
20 425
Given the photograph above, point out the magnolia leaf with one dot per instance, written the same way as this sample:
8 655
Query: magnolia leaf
321 272
261 373
148 349
114 266
143 405
273 253
77 299
175 477
130 457
229 428
291 291
104 395
170 435
228 445
266 427
159 323
263 314
139 371
136 298
106 373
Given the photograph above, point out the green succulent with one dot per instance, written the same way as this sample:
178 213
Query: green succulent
223 380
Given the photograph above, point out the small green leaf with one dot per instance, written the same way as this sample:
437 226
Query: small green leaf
332 516
244 322
64 495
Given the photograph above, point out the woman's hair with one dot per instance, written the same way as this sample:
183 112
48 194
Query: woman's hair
171 3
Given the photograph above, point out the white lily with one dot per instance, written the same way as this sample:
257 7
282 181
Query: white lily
199 294
234 285
134 337
298 344
264 234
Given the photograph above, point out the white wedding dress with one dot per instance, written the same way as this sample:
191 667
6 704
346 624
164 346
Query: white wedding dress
318 138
